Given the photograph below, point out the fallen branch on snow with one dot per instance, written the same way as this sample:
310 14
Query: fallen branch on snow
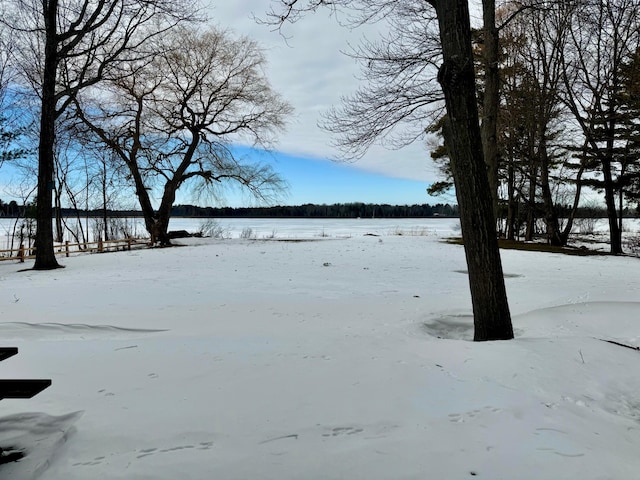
632 347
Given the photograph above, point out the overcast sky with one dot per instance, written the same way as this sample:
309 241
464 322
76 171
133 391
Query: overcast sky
309 69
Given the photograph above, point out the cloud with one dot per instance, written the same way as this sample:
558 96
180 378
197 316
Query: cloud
309 69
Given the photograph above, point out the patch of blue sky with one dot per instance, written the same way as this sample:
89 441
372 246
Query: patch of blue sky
320 181
309 180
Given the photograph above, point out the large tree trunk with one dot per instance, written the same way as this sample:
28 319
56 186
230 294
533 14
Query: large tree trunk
615 229
615 233
105 217
59 231
530 228
491 99
143 196
513 202
45 255
550 215
492 319
164 213
576 202
169 194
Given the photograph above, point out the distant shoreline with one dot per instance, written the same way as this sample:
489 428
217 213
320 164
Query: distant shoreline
336 211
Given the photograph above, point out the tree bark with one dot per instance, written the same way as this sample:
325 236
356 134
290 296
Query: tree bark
576 202
169 195
492 320
615 235
59 231
163 215
45 255
530 228
550 216
143 196
105 217
491 98
611 127
513 203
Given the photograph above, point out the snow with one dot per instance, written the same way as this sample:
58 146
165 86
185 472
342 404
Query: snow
345 356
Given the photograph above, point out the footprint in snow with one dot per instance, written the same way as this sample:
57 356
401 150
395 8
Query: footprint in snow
153 451
339 431
462 417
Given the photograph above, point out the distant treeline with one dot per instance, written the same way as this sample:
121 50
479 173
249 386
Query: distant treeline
368 210
336 210
309 210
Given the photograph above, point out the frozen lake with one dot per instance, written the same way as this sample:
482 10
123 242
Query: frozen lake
322 227
282 228
260 228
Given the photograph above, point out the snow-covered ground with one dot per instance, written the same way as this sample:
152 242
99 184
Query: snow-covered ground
344 356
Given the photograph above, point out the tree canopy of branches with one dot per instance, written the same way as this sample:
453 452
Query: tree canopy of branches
629 101
171 119
10 128
567 113
531 114
369 118
65 46
399 98
603 37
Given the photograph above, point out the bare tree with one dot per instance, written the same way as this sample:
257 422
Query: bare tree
399 100
12 126
492 320
491 95
532 114
171 120
629 99
603 35
462 133
67 46
108 190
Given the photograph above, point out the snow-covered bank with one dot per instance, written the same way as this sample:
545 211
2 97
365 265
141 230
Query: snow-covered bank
338 358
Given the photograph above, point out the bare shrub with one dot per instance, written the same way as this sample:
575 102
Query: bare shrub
586 226
121 228
247 233
271 235
212 228
412 232
633 245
